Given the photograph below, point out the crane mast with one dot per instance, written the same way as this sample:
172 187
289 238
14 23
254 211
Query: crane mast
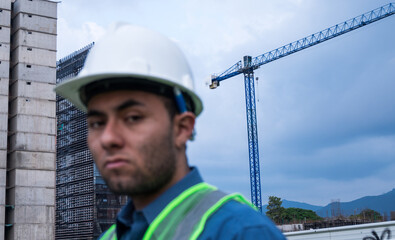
250 64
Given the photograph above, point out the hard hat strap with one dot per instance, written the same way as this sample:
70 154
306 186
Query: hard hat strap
180 101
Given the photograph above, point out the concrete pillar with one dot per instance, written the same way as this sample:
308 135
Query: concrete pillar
31 115
5 29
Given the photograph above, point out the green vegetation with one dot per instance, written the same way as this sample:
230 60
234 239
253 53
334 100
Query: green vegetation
281 215
274 209
368 214
299 214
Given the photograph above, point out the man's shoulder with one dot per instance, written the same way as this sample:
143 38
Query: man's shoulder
235 220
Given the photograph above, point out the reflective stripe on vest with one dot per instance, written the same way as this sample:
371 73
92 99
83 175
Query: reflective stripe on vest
185 216
110 234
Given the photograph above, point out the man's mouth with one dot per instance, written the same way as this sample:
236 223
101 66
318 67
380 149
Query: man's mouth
115 163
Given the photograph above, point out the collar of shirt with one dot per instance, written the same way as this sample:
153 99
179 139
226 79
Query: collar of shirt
124 218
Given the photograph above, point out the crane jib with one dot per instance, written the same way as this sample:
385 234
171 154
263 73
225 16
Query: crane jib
312 40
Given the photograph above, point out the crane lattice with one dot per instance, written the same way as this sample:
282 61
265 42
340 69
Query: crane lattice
250 64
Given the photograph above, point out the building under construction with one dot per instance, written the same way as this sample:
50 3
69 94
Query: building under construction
84 205
28 30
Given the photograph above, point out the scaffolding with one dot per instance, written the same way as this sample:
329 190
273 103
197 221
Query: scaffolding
85 207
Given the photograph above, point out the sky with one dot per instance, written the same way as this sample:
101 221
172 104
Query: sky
326 115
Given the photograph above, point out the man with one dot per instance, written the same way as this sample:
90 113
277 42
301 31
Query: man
137 90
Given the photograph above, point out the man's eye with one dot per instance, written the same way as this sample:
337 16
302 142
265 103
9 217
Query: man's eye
133 118
95 124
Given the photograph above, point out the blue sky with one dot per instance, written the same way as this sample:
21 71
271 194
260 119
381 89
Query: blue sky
326 115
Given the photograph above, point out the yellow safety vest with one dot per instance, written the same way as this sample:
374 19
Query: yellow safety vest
185 216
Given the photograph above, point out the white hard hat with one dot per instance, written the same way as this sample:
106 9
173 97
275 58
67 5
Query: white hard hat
132 53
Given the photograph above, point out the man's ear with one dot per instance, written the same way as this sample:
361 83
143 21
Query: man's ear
184 124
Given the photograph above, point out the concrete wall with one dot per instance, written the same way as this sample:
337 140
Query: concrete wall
5 17
3 122
5 34
41 8
31 231
29 72
5 51
32 124
31 118
3 140
34 39
354 232
31 106
30 89
5 29
4 104
5 4
36 56
34 23
4 72
3 159
31 178
31 160
32 142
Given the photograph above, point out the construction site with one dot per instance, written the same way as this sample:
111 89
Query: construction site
85 207
50 187
31 190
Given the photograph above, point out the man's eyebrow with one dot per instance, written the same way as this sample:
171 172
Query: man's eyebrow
94 113
128 103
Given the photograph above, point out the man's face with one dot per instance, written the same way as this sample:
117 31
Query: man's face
130 135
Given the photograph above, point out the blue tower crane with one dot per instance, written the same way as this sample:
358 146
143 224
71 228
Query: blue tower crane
250 64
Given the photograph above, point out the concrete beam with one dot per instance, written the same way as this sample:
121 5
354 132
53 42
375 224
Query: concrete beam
31 72
1 232
2 215
3 176
5 4
3 122
30 106
2 195
5 33
30 178
3 159
34 39
3 140
31 160
3 104
30 89
32 124
4 83
34 23
4 51
31 231
32 215
33 56
30 196
4 76
32 142
43 8
5 17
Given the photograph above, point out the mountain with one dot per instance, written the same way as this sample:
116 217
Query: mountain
293 204
384 203
289 204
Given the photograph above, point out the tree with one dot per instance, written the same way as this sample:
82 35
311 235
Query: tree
368 214
299 214
274 209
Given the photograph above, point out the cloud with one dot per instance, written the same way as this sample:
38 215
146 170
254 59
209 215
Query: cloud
74 38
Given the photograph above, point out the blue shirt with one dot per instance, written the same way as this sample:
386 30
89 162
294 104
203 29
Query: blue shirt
233 220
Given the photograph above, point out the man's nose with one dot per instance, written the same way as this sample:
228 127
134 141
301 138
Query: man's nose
111 136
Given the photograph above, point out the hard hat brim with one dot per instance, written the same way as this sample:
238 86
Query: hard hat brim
70 89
